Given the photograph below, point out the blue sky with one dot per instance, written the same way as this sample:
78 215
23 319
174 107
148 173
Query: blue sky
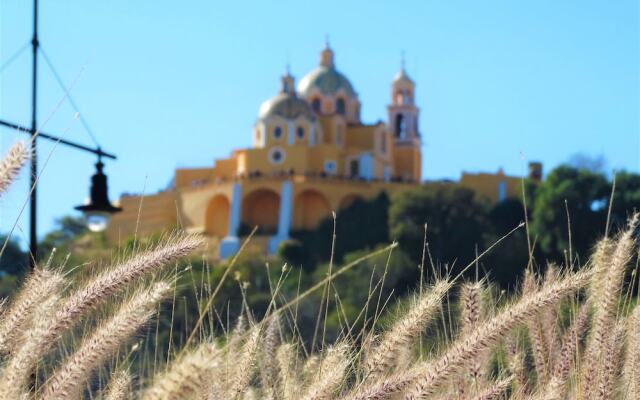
168 84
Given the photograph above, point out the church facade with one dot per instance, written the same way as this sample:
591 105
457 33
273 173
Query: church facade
311 154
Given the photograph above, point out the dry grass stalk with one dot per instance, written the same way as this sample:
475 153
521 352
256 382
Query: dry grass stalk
288 376
631 370
68 380
471 303
269 373
109 283
612 271
610 369
310 368
548 320
39 285
332 373
471 310
600 260
245 367
119 387
556 388
468 347
12 163
536 332
427 377
516 365
406 329
186 377
17 370
494 390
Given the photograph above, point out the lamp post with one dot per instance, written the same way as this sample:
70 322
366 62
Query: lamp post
98 211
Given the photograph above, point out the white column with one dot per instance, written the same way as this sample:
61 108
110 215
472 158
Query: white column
231 243
290 133
284 217
263 133
312 135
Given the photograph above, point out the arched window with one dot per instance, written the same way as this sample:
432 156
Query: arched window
400 130
340 106
277 132
300 132
315 104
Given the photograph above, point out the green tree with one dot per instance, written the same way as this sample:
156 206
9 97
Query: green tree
361 225
507 261
584 194
13 261
456 222
67 229
626 197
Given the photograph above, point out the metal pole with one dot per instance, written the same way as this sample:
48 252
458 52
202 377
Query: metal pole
57 139
33 232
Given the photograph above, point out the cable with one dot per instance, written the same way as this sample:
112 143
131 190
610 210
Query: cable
14 56
73 104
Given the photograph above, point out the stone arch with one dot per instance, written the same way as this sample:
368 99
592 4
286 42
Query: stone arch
261 207
349 199
309 208
217 216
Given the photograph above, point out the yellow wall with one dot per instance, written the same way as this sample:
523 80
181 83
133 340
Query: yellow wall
487 185
407 162
143 215
225 168
192 176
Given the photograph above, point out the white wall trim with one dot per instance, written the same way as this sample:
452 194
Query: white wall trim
291 134
230 244
284 217
312 134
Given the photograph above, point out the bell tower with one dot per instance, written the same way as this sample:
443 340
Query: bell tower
403 125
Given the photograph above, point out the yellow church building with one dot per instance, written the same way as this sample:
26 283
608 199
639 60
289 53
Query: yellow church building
311 154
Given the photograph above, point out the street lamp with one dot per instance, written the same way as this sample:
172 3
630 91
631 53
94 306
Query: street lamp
97 211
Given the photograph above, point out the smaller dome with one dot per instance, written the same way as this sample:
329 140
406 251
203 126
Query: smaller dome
286 104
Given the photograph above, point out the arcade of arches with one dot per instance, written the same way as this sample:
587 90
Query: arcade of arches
217 217
261 208
310 207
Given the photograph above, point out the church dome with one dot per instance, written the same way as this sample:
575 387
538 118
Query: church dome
286 104
326 78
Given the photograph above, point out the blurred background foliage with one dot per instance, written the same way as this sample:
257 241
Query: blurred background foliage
459 226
